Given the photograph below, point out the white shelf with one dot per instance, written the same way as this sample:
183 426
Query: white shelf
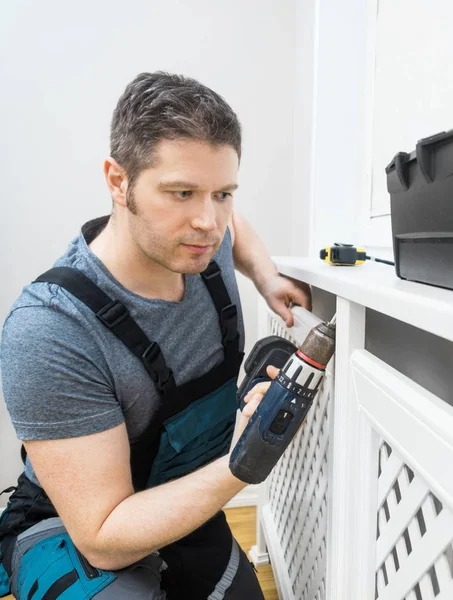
376 286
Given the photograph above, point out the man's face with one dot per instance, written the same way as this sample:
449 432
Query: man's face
179 209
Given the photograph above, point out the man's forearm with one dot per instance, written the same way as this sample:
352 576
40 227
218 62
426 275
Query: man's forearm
149 520
250 255
252 259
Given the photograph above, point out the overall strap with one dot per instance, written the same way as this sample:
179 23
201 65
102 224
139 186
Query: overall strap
228 312
114 315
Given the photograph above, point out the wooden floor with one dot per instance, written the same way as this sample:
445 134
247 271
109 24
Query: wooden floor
243 525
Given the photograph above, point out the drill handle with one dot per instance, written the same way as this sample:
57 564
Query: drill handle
267 434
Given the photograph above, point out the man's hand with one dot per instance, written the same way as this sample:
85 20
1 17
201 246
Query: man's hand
252 400
281 292
253 261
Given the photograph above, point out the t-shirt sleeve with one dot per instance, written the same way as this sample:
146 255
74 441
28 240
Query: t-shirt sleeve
55 379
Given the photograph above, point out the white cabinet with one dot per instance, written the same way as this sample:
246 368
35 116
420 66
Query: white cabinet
361 505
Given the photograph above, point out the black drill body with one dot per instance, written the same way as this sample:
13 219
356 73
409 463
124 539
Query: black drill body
285 405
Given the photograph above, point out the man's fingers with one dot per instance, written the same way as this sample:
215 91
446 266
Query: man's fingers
261 388
252 405
290 319
272 371
285 313
283 310
301 295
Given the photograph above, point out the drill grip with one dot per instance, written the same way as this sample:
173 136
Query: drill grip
260 446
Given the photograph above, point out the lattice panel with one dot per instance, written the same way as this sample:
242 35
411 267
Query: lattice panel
298 496
414 535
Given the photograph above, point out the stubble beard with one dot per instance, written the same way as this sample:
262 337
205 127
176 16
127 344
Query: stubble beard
155 250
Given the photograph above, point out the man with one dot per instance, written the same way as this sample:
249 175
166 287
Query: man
119 369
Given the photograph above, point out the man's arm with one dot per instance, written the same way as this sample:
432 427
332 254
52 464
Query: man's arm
252 260
88 480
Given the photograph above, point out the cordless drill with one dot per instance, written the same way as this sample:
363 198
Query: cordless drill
285 405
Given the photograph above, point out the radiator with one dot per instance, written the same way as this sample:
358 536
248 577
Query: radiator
293 505
360 506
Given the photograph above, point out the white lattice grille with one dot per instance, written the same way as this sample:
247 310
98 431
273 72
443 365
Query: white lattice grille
414 535
298 496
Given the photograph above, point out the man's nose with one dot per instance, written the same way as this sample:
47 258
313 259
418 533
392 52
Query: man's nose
205 217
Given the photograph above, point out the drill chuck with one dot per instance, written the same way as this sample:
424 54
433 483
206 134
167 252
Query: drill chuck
319 345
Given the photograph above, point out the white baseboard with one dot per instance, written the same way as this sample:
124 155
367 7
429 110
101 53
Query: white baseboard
279 567
246 497
258 558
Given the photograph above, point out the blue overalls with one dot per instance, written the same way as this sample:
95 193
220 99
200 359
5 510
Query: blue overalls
194 424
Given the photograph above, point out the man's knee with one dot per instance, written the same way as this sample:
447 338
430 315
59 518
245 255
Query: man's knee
141 581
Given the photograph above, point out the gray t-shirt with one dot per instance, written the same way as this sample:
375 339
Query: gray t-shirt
65 374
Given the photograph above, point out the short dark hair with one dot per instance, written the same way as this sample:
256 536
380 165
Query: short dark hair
158 106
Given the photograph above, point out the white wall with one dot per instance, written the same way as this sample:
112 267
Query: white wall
379 85
62 68
338 147
412 93
304 121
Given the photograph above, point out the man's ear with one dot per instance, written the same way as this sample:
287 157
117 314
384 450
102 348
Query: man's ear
116 179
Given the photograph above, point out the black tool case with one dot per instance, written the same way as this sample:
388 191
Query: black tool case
421 192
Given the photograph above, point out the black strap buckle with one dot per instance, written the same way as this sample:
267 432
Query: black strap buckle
211 271
112 314
154 362
229 323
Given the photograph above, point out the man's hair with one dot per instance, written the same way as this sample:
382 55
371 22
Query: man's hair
161 106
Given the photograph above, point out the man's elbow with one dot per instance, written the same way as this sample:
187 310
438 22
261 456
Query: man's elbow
102 560
107 557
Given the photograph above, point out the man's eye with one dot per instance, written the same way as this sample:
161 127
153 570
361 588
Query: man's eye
224 195
184 194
